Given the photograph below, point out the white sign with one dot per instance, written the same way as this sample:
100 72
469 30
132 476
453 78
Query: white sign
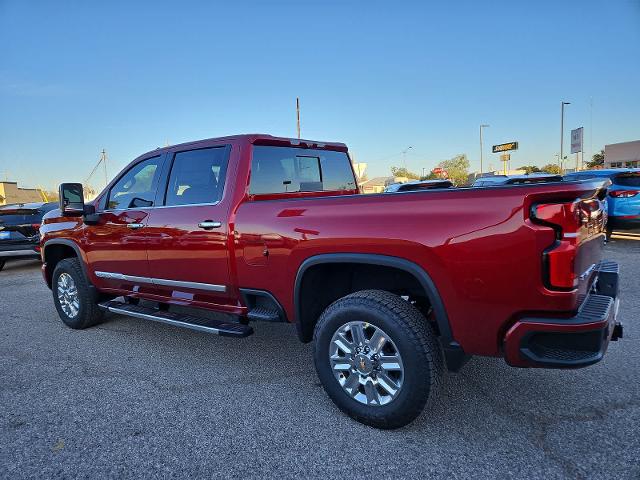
576 140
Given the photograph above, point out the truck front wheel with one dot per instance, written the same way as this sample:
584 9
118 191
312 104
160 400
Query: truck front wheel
377 358
73 296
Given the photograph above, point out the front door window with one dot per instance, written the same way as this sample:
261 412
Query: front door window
137 187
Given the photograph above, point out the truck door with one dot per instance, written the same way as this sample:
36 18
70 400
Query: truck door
187 244
116 247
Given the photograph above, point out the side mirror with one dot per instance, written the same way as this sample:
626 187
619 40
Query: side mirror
71 199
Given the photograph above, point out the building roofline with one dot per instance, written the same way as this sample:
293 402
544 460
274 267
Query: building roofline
622 143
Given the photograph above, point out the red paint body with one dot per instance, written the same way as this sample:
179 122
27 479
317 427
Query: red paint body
479 246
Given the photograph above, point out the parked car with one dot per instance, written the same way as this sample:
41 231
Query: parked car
498 180
391 289
623 198
19 224
418 185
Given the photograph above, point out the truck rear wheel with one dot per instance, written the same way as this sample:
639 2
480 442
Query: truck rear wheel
73 296
377 358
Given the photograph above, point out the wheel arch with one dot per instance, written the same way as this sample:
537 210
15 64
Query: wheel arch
58 249
429 288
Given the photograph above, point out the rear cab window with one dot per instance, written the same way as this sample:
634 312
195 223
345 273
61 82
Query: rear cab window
283 170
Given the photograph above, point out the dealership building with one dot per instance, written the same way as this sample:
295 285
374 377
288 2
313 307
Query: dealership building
622 155
11 193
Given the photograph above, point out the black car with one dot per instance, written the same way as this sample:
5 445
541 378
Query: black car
418 185
19 225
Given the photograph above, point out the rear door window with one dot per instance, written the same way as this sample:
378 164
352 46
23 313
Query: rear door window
197 176
285 169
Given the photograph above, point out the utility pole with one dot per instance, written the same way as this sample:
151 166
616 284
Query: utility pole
103 159
481 127
590 131
298 114
562 104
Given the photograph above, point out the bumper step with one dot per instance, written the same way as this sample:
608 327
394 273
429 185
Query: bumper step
216 327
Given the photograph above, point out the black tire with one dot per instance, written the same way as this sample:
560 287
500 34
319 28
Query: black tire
414 339
2 262
88 314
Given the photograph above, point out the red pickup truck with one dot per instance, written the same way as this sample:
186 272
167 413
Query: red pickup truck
393 289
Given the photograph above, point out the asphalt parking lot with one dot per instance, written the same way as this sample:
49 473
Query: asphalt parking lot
131 398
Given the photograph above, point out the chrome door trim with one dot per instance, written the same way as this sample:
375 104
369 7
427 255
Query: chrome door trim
113 210
122 276
195 285
161 281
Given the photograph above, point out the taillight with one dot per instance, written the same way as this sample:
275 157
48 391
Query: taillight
565 219
35 226
623 193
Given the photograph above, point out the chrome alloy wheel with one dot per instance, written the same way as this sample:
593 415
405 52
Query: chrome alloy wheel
68 295
366 363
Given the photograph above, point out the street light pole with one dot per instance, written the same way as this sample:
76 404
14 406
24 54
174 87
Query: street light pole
404 157
298 115
481 127
562 104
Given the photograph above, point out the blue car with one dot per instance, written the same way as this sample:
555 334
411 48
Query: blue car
623 199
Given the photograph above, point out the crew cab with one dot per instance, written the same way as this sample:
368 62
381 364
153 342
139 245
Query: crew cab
391 289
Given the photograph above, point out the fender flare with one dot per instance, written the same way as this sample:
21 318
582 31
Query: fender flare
387 261
68 243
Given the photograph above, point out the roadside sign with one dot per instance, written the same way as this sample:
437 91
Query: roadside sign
576 140
437 170
504 147
505 157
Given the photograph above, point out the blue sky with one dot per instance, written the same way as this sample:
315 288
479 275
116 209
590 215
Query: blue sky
76 77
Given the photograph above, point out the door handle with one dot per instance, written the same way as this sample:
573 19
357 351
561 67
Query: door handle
135 226
209 224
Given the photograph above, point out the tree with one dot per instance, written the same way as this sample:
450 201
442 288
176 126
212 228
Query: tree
403 172
551 168
597 160
530 169
457 169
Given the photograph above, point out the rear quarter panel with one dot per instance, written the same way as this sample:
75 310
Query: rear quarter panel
477 245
